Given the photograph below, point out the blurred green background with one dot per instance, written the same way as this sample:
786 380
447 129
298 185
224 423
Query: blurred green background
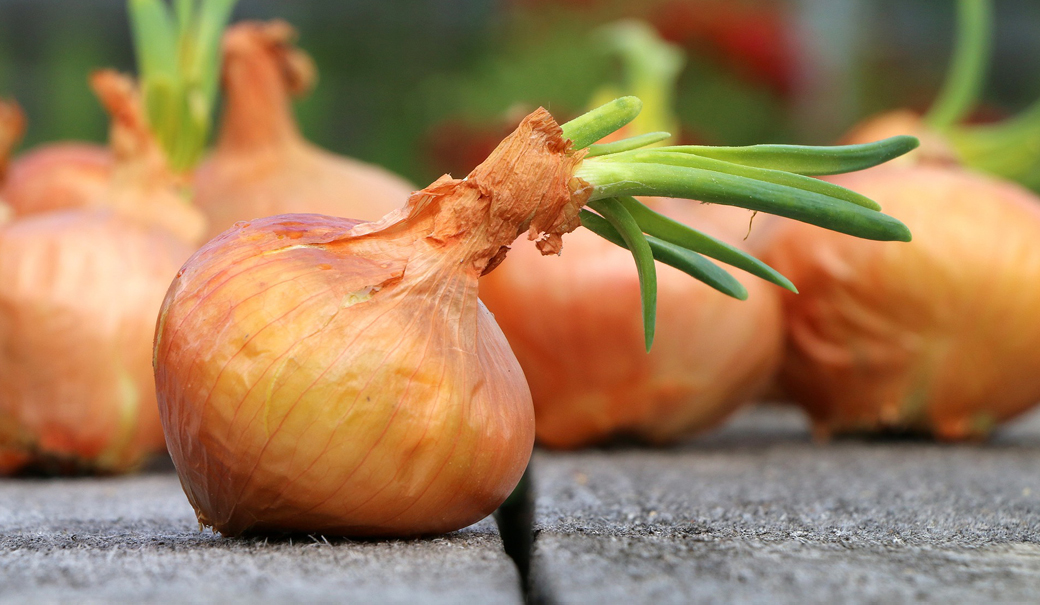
427 86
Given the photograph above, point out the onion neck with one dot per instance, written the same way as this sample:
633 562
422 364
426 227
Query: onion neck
261 75
527 184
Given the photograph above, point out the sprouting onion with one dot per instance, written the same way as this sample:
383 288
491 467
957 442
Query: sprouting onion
317 374
95 239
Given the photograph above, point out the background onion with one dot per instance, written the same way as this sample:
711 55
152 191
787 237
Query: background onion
51 177
12 127
938 336
262 164
573 322
78 294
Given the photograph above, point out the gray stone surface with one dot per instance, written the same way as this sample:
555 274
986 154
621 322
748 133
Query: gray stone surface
753 513
135 539
759 513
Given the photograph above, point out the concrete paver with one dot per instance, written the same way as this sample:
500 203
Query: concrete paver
135 539
759 513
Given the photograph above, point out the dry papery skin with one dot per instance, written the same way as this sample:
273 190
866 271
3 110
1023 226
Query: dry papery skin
262 165
316 374
142 185
12 127
79 291
939 335
574 323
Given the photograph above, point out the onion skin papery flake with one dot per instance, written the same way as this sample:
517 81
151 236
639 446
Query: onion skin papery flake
262 165
937 336
78 294
573 322
320 375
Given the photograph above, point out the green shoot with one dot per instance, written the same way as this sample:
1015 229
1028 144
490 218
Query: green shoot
806 160
968 69
178 59
766 178
622 222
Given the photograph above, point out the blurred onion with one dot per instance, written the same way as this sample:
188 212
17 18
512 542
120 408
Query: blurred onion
938 336
79 290
573 322
12 127
262 164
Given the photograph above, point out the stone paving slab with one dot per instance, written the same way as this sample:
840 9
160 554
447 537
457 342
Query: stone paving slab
759 513
135 540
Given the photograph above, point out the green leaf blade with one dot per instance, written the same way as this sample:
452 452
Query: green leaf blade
778 177
688 262
809 160
612 179
620 219
628 144
685 237
600 122
155 37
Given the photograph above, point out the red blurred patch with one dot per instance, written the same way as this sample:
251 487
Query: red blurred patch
751 39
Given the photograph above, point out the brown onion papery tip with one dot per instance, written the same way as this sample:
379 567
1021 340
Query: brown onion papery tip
12 127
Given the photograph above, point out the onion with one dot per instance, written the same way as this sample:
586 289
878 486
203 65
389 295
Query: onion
572 322
937 337
262 165
933 337
349 380
315 374
50 177
78 294
79 289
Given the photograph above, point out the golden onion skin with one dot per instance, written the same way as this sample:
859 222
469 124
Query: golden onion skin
938 336
574 323
79 290
262 165
320 375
